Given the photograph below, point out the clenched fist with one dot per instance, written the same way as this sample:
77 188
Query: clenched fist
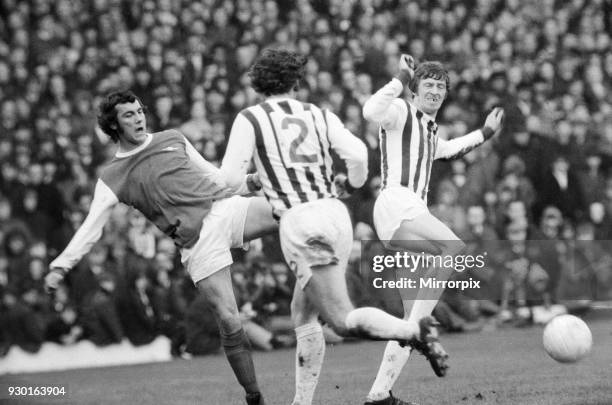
406 68
54 278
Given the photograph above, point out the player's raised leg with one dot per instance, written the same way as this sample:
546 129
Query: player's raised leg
426 233
219 294
310 350
327 289
230 223
316 239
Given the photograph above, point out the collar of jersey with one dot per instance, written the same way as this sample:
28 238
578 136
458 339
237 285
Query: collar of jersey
425 115
136 149
279 97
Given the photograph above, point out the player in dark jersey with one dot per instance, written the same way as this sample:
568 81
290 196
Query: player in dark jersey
291 143
186 197
409 144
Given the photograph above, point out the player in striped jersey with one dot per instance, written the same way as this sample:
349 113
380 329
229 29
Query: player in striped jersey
291 143
409 144
165 178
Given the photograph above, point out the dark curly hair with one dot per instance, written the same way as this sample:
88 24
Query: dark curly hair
277 71
429 70
107 115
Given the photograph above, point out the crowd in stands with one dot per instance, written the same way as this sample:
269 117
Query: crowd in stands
545 177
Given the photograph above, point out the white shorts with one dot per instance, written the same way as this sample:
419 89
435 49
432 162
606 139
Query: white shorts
394 205
222 229
316 233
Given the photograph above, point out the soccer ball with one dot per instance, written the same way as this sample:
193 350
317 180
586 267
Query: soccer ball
567 338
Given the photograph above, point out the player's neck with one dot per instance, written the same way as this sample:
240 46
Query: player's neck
290 94
127 148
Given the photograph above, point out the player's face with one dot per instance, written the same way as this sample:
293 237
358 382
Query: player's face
132 123
430 95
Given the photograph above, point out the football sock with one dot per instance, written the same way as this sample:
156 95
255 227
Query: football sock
238 352
374 323
309 355
394 359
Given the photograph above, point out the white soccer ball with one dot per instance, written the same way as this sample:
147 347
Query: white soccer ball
567 339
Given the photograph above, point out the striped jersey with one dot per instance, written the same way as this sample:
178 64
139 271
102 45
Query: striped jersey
291 143
409 141
408 153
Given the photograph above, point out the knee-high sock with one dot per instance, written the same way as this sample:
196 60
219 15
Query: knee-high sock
373 323
238 352
394 359
309 355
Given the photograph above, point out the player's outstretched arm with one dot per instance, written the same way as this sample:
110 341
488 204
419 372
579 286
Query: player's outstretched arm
88 233
381 106
455 148
350 149
238 155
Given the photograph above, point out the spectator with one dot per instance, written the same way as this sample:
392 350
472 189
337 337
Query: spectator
513 178
202 332
138 317
63 326
168 305
100 317
447 209
198 127
560 187
591 178
24 326
477 228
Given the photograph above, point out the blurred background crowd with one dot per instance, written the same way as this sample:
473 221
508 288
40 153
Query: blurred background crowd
545 177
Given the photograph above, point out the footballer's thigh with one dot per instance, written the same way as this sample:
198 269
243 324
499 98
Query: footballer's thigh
426 233
315 234
259 219
403 222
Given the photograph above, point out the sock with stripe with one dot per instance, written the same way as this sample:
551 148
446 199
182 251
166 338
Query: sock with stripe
238 352
309 355
394 359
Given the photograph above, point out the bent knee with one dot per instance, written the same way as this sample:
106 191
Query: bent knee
341 329
337 322
227 314
453 247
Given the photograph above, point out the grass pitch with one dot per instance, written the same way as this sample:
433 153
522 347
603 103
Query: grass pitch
507 366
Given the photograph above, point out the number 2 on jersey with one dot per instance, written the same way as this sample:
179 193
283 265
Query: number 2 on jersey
298 139
294 155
